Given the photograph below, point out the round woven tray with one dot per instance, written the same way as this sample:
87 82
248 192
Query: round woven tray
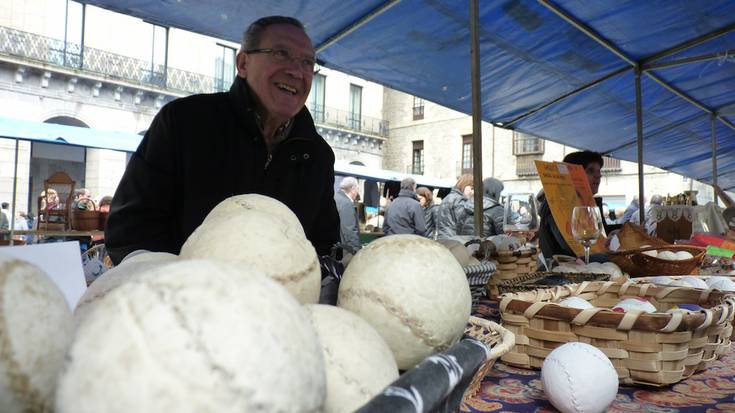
653 349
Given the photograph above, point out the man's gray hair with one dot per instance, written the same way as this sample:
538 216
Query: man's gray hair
251 37
408 183
348 183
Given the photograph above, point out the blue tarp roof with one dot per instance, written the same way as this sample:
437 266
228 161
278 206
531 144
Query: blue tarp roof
71 135
532 60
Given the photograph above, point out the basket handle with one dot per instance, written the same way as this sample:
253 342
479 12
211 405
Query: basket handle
87 201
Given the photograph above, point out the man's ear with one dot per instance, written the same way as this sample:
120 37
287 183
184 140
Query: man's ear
241 61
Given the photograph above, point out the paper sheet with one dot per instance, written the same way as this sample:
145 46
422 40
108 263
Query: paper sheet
62 262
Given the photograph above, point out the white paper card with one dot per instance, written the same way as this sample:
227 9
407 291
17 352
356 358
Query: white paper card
62 261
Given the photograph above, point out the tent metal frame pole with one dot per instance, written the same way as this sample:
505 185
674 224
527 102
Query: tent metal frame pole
714 156
356 24
688 44
15 190
693 59
587 30
639 134
476 113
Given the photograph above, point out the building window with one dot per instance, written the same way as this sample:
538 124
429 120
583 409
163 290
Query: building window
354 117
417 166
69 51
611 165
418 108
525 165
466 154
524 144
224 67
316 97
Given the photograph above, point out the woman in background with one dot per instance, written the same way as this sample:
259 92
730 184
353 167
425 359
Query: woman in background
426 199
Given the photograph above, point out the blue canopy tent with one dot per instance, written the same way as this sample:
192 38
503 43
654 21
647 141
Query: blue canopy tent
644 81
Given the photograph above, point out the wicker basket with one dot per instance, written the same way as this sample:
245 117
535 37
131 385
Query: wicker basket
537 280
653 349
512 264
500 341
85 219
636 263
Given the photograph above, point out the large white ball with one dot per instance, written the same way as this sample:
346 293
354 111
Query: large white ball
358 361
579 378
261 240
111 279
690 281
149 256
256 202
723 284
35 332
194 336
413 291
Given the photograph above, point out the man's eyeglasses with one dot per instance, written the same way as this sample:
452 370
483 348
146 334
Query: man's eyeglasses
307 64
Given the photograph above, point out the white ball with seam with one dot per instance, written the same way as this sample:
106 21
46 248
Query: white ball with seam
261 238
579 378
195 336
35 332
413 291
358 362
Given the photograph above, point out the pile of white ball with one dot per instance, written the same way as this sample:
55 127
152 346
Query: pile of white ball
231 324
668 255
609 268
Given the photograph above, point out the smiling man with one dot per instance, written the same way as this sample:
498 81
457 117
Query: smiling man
257 138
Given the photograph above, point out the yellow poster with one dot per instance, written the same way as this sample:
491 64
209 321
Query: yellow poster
566 186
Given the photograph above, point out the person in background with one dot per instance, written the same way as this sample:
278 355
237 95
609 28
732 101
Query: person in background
632 209
258 137
348 221
650 224
404 215
105 203
426 200
4 216
451 211
551 240
492 211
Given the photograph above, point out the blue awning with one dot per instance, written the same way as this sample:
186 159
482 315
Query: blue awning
543 72
69 135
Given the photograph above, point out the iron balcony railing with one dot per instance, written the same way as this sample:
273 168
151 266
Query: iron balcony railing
329 116
66 54
43 49
611 165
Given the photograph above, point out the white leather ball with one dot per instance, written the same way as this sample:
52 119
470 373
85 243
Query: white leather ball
256 202
683 255
634 303
35 332
689 281
661 280
413 291
358 361
576 302
667 255
724 284
195 336
579 378
261 240
149 256
113 278
715 278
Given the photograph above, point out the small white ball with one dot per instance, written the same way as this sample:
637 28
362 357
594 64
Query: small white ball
149 256
579 378
576 302
711 280
652 253
612 269
35 332
690 281
683 255
725 284
667 255
194 336
634 303
413 291
358 361
661 280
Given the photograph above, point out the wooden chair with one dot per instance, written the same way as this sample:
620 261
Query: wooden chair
54 209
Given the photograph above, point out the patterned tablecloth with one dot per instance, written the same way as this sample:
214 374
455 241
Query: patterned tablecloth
510 389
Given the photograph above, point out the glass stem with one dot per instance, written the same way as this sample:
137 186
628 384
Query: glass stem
586 254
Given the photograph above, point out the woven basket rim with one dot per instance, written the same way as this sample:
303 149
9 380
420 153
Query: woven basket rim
522 301
673 247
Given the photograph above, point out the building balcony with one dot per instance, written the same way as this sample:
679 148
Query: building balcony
328 116
45 50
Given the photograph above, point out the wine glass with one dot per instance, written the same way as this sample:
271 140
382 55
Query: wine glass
519 217
586 227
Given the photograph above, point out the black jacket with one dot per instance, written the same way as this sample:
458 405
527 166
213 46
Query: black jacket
202 149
